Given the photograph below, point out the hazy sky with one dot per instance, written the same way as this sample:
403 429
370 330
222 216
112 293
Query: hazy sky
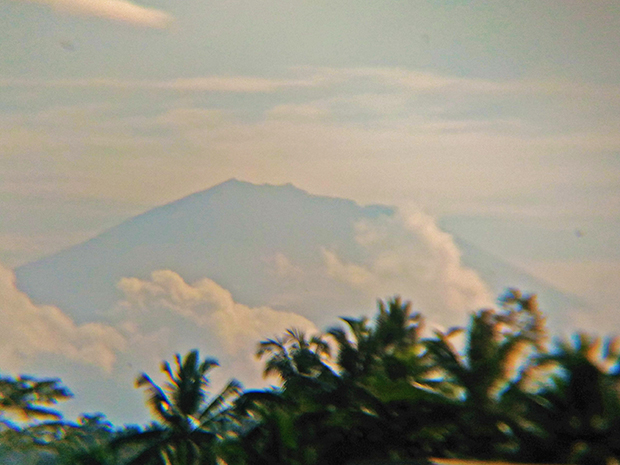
500 118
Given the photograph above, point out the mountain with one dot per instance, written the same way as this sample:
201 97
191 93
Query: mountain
557 305
231 233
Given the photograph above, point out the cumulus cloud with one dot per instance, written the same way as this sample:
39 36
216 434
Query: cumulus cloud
282 266
228 325
355 275
28 330
411 256
384 84
116 10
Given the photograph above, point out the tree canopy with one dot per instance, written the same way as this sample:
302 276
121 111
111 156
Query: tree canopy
369 390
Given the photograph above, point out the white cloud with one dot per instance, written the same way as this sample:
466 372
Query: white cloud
439 162
359 134
116 10
355 275
409 255
282 266
419 81
28 330
247 84
397 82
223 323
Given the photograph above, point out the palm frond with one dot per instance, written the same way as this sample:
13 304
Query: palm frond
233 388
157 400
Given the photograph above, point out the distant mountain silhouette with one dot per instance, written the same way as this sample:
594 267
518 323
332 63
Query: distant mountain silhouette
229 233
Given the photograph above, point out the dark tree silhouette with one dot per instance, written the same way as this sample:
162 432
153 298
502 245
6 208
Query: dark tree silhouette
190 424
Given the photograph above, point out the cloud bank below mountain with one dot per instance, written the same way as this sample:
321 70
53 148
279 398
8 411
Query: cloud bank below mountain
209 306
28 330
408 254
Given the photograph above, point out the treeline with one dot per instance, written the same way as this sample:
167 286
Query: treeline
367 391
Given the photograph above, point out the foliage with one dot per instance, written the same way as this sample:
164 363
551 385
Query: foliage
375 390
190 424
27 398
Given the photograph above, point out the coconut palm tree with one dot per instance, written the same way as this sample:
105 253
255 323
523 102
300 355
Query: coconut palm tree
495 364
28 423
576 413
316 416
355 352
391 349
375 407
27 398
294 357
190 425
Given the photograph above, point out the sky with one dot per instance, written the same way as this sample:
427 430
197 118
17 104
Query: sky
499 119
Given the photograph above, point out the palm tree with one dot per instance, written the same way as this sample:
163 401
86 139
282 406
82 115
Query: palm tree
25 399
29 398
384 371
85 442
295 357
577 412
357 356
316 416
496 363
391 349
270 429
190 425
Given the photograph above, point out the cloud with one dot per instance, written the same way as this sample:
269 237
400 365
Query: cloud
231 329
28 330
116 10
357 151
247 84
371 138
298 112
420 81
409 255
352 274
231 84
282 266
433 82
391 83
